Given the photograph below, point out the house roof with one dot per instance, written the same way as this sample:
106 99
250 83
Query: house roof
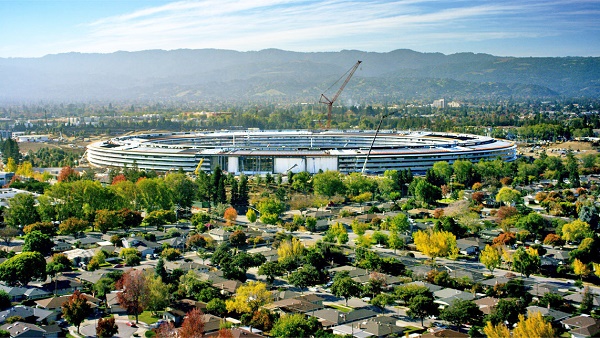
25 312
18 329
487 304
587 331
382 329
445 333
57 302
449 293
557 315
577 298
579 321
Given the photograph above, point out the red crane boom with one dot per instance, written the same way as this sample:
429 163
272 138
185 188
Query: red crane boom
329 102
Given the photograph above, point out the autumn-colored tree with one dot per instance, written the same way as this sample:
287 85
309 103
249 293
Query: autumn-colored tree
106 327
67 174
193 325
478 196
25 169
436 243
46 228
238 238
72 226
581 269
225 333
490 257
11 165
505 212
554 240
438 213
118 179
505 238
166 330
230 215
248 298
535 326
477 186
134 292
496 331
76 309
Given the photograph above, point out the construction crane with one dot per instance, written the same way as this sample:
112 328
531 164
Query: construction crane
198 167
373 141
324 99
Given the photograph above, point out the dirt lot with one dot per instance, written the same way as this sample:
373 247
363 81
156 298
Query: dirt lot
559 149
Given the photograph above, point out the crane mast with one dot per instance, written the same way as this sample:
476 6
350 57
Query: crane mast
325 100
364 168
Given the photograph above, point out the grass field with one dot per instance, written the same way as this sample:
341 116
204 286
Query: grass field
147 317
342 308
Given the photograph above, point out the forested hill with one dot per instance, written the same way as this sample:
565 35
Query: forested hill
276 75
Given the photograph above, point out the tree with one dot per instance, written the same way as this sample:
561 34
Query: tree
328 183
271 270
20 211
463 172
496 331
290 249
193 324
106 327
47 228
103 287
526 262
344 286
382 300
238 238
67 174
507 310
294 325
534 326
554 240
421 306
76 309
7 234
72 226
158 293
336 233
182 189
251 215
171 254
425 191
134 294
5 302
490 257
581 269
576 231
154 194
462 311
230 215
436 243
508 196
10 151
304 277
395 241
534 223
107 219
216 306
23 268
301 182
587 301
248 298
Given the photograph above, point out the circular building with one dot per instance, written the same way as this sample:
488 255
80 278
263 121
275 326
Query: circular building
258 152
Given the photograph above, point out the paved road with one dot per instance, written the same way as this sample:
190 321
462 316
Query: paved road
88 328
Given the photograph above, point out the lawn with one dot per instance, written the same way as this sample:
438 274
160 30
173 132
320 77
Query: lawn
147 317
342 308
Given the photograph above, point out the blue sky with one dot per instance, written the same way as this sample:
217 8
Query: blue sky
501 27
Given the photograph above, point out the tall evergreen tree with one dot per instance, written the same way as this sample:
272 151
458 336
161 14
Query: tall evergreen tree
243 190
234 198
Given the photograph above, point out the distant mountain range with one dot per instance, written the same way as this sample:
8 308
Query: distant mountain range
283 76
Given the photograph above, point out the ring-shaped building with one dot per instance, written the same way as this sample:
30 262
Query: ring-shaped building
260 152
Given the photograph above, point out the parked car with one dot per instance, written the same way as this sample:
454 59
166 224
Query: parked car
132 324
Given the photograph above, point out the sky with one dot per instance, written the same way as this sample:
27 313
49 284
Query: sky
499 27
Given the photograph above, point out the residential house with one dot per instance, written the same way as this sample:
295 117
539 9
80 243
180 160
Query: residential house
112 304
446 296
174 242
382 326
220 235
238 332
15 293
331 317
37 293
557 316
470 245
487 304
27 330
582 326
144 247
55 304
293 305
576 299
30 314
444 333
349 330
79 255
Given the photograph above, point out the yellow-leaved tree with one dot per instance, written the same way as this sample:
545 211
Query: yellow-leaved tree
490 257
11 165
496 331
535 326
249 298
575 231
290 249
436 243
25 169
580 268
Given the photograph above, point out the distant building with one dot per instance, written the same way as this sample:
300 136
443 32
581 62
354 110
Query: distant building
441 103
5 178
5 134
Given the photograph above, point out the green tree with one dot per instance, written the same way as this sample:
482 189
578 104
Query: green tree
425 191
464 172
576 231
462 311
395 241
72 226
20 211
216 306
76 309
103 287
271 270
421 306
304 277
301 182
37 241
534 223
328 183
5 302
294 325
508 196
182 189
526 262
154 194
158 293
344 286
251 215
